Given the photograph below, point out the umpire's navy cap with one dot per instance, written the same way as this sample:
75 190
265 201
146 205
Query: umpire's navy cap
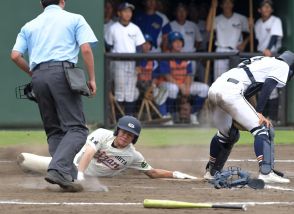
125 5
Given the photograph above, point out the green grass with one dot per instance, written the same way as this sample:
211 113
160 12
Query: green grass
149 137
190 136
8 138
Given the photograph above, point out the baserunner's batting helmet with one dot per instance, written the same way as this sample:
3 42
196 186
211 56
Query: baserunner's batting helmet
288 57
130 124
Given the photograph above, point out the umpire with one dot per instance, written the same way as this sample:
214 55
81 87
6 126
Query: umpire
52 41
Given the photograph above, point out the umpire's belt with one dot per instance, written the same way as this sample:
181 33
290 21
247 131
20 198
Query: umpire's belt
232 80
46 65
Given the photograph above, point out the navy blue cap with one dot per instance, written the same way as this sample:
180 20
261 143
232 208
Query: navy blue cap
125 5
263 2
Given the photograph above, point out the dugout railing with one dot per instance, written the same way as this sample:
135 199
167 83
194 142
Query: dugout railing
234 60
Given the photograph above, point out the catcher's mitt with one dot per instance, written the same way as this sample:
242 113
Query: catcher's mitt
235 177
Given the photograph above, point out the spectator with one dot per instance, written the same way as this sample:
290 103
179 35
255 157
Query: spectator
188 29
229 27
198 14
178 74
108 15
125 37
152 23
269 34
149 78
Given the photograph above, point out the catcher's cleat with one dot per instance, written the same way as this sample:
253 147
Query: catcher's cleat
273 178
207 176
55 177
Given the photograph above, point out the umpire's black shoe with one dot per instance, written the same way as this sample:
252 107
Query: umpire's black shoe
54 177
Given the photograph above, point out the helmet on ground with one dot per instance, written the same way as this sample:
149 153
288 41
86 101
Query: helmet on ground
288 57
129 124
175 35
149 38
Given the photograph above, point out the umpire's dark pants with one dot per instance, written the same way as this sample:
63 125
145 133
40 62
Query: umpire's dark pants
62 114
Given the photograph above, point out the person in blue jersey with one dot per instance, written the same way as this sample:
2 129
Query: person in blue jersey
53 41
152 23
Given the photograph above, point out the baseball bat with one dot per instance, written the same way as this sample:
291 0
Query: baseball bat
251 26
210 43
170 204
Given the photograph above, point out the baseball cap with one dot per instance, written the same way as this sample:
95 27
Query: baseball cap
263 2
125 5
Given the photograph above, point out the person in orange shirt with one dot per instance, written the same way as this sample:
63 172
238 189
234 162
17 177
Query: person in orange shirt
179 79
149 77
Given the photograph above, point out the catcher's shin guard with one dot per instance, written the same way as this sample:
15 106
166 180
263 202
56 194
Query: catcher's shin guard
265 137
225 145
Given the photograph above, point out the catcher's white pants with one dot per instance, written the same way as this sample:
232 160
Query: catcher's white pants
196 88
227 103
125 80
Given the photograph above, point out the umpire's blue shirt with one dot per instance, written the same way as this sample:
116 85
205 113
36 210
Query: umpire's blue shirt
55 35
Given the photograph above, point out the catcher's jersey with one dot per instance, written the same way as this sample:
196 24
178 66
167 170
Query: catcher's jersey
264 31
261 68
124 39
109 161
229 30
190 32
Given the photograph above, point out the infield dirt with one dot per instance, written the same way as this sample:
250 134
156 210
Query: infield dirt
134 187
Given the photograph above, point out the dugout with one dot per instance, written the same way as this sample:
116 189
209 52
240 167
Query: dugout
14 14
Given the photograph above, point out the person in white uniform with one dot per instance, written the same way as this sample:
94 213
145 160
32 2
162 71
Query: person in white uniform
108 15
230 28
189 30
125 37
269 34
106 154
227 98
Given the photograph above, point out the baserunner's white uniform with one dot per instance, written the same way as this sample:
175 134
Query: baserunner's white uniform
109 161
124 39
228 37
227 100
265 29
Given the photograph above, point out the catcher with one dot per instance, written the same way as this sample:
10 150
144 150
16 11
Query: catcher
106 154
228 97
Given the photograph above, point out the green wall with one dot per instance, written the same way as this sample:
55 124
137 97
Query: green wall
285 11
13 15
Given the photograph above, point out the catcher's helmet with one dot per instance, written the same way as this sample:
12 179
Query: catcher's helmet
175 35
288 57
130 124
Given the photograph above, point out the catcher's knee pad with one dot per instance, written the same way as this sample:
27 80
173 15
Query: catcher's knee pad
264 136
226 144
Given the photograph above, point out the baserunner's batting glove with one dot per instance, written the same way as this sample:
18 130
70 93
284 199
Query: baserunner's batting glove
80 176
180 175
